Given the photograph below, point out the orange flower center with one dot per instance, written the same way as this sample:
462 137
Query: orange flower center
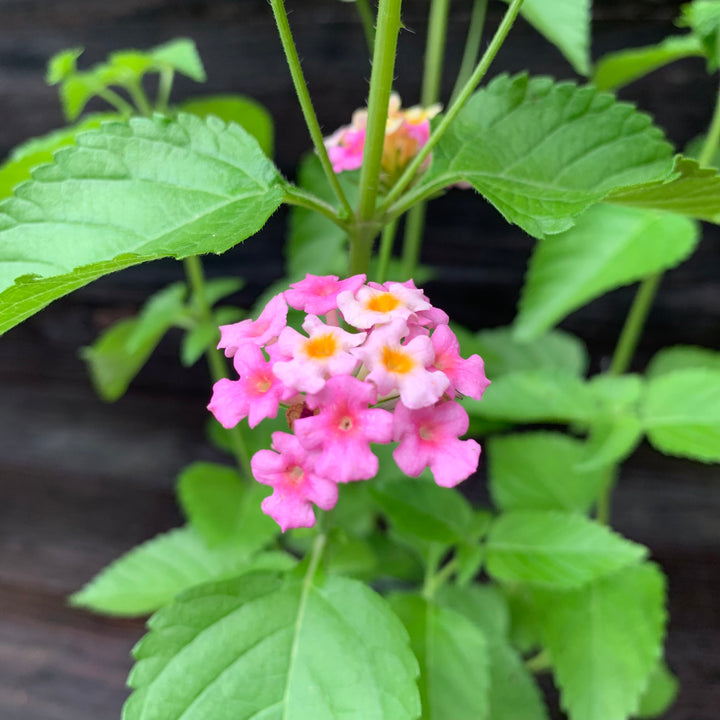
321 346
384 302
397 361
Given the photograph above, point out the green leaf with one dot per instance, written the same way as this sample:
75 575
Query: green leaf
316 245
117 356
566 24
77 90
559 550
38 151
543 152
159 314
152 574
503 352
181 55
246 112
195 342
538 471
604 642
703 17
62 65
617 69
690 190
127 194
514 695
453 657
608 247
423 509
111 363
611 440
660 693
682 413
352 556
682 357
695 147
536 396
258 647
224 509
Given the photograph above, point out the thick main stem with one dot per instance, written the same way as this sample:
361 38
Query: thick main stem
301 89
215 359
482 67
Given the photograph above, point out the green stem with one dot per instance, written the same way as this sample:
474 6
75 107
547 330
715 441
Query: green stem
603 507
215 359
386 245
167 75
412 241
712 139
435 51
368 22
381 79
432 76
119 103
438 579
301 89
139 97
634 323
472 46
482 67
361 243
302 198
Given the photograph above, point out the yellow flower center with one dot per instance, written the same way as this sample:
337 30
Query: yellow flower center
296 474
262 385
384 302
346 423
397 361
321 346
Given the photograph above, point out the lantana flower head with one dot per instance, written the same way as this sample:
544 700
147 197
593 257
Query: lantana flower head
406 132
384 367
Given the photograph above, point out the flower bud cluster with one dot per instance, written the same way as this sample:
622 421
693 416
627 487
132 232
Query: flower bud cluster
406 132
392 376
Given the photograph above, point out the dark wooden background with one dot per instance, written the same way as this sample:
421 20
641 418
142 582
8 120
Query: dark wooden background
81 482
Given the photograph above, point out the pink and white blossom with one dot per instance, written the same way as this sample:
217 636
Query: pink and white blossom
377 305
344 428
429 438
290 470
316 357
402 368
265 329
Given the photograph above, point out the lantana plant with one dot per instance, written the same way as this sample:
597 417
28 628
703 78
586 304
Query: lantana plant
332 566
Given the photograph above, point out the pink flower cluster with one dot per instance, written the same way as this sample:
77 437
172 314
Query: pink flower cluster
406 132
391 376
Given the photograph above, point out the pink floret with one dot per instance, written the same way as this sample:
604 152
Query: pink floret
467 376
265 329
344 428
290 470
429 438
317 295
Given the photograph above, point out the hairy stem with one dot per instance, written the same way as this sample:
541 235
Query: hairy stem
478 74
472 46
634 323
215 358
301 89
368 22
302 198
